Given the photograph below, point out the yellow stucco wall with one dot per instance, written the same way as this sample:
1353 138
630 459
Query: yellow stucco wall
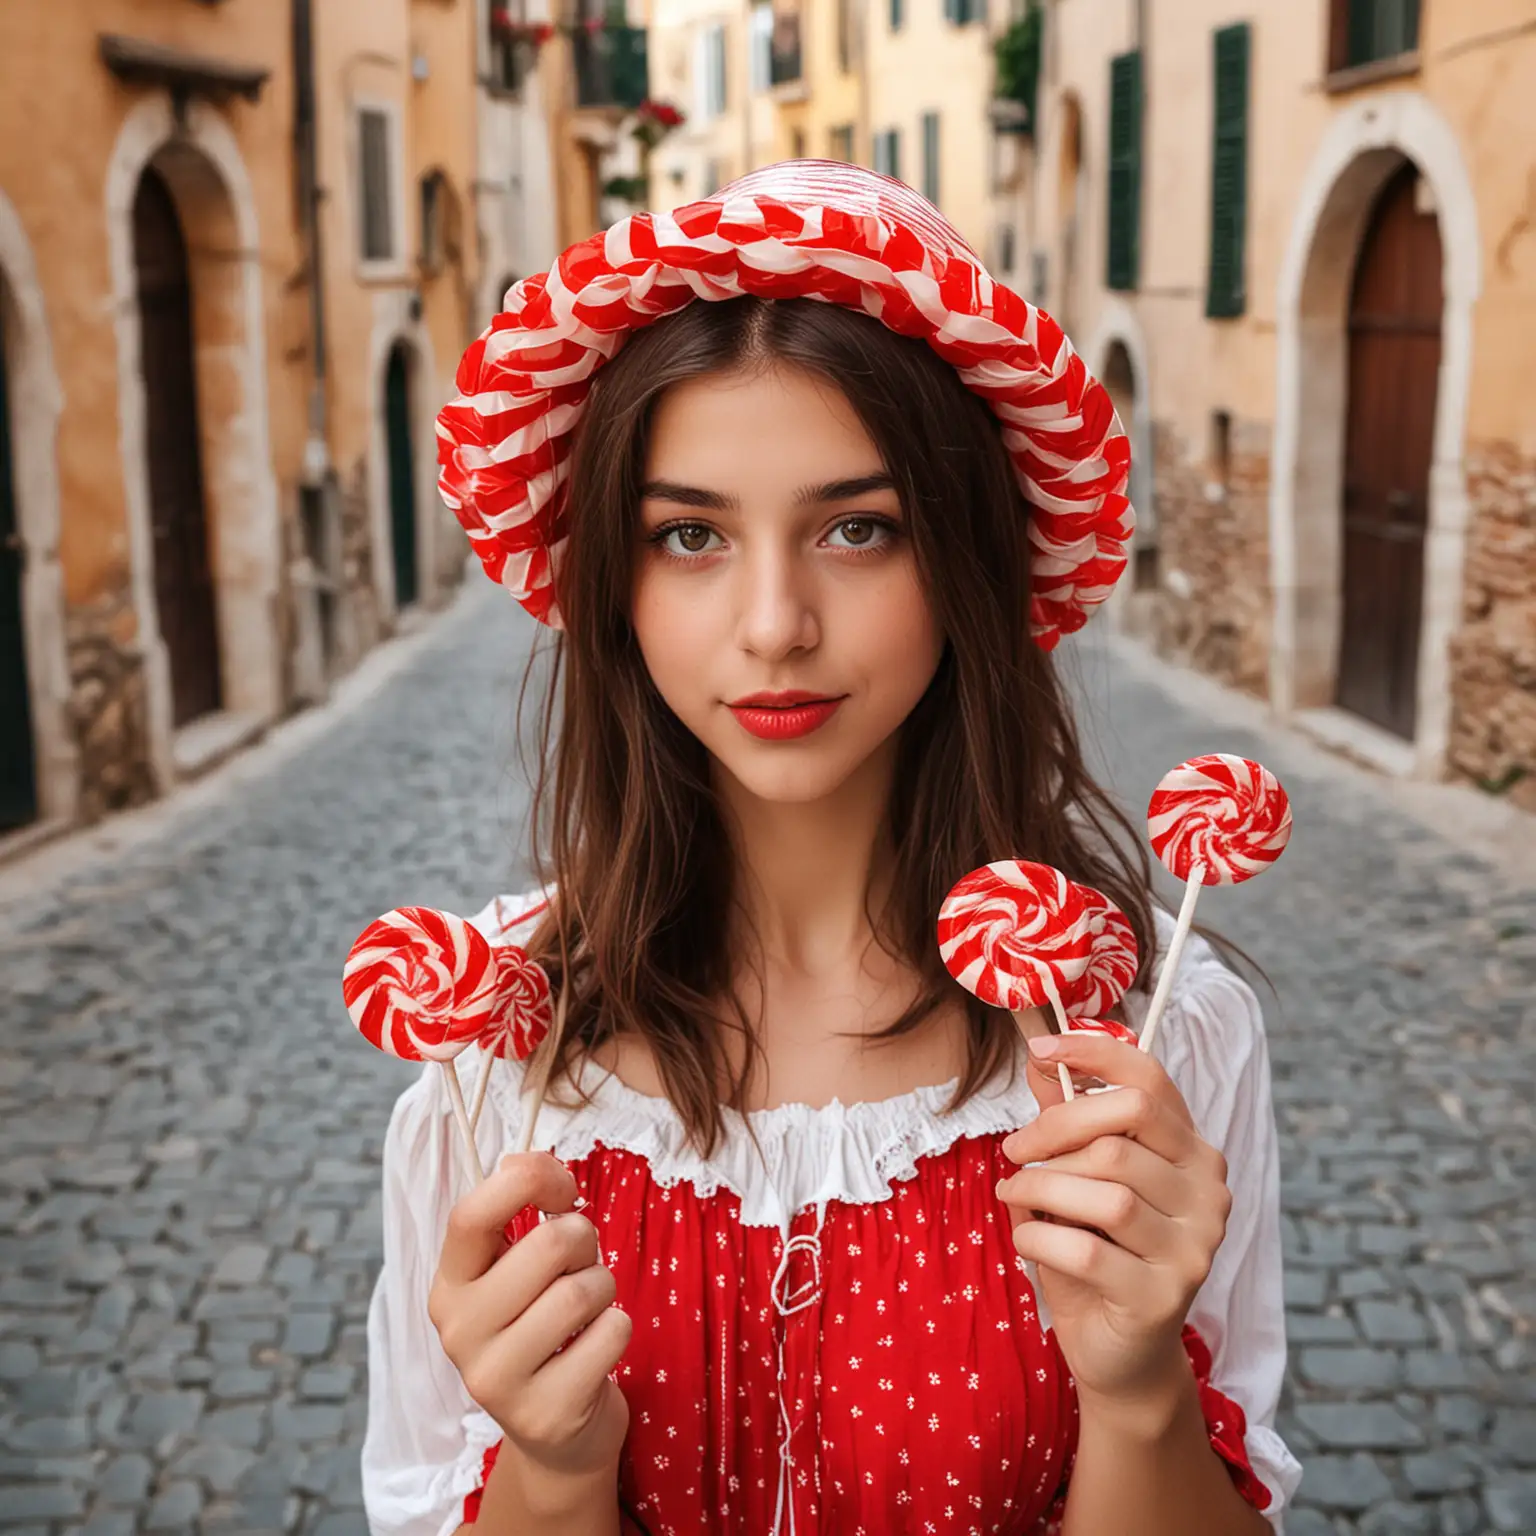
1478 70
929 64
66 101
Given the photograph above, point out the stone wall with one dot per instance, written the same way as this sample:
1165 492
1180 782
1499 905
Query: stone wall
1211 610
1493 657
108 710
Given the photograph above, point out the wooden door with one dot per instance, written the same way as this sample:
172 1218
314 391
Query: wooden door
402 476
18 783
177 509
1394 370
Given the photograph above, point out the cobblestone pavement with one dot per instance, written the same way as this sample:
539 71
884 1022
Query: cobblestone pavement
189 1134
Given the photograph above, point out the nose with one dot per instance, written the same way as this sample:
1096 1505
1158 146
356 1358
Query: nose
777 605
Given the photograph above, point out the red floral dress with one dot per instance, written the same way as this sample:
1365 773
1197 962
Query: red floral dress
833 1337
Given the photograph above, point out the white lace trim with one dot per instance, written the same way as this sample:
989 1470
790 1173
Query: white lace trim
853 1153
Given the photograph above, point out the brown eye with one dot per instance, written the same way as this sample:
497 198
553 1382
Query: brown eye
857 531
692 537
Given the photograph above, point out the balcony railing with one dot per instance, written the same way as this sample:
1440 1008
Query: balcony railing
611 68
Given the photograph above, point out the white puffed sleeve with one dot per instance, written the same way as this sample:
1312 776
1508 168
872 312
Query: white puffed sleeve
1213 1045
426 1438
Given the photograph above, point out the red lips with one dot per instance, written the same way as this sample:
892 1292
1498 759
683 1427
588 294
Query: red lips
783 716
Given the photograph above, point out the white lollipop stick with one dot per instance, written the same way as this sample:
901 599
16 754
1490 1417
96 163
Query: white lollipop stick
533 1094
1186 920
481 1084
461 1115
1064 1024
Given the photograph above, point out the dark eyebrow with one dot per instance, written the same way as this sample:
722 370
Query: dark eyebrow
807 495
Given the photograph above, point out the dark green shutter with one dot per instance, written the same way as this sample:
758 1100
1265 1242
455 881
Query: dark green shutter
895 15
952 11
1381 29
1124 244
1225 293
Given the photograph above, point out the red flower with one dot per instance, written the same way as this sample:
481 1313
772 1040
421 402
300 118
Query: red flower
542 32
592 25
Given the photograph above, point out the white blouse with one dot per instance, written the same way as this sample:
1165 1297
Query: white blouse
426 1437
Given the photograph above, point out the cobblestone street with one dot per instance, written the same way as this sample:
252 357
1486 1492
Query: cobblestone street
190 1131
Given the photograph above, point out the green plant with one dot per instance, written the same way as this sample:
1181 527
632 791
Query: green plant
1016 57
628 189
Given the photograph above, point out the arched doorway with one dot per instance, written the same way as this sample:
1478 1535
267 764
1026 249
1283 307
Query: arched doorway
18 750
1384 162
1119 380
398 417
183 573
1395 310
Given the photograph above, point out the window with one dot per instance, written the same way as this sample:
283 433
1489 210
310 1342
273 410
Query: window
709 71
840 143
713 178
1365 31
845 25
797 144
376 173
1006 247
1225 294
435 213
962 12
507 57
931 157
896 15
887 152
1124 243
761 46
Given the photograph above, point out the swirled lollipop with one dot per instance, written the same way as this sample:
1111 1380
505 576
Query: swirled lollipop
1214 820
423 985
1112 960
1017 935
522 1021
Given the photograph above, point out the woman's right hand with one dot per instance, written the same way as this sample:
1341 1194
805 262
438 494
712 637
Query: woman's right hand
503 1313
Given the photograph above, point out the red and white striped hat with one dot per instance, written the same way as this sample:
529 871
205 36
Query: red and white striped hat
816 229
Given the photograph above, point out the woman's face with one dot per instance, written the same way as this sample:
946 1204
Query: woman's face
773 557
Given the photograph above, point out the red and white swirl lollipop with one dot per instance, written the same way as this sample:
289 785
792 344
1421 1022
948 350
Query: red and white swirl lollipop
1017 935
423 985
1112 960
522 1021
1214 820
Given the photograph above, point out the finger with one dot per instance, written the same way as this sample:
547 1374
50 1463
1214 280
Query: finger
1115 1061
575 1374
562 1309
1073 1251
1120 1213
1119 1160
477 1224
564 1245
1131 1112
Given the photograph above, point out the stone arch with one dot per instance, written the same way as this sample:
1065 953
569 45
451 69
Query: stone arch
1120 328
195 152
1364 145
397 327
36 403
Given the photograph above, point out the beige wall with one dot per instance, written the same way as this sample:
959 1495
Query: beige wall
73 144
931 65
1249 570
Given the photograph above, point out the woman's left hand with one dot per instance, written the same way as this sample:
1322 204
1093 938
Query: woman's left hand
1140 1206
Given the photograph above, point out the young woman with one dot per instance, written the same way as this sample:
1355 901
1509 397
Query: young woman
816 1252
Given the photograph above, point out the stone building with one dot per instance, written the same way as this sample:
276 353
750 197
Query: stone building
234 279
1296 242
515 199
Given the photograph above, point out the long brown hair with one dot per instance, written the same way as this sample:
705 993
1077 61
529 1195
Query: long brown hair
624 819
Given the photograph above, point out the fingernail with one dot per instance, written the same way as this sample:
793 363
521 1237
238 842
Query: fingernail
999 1187
1044 1045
